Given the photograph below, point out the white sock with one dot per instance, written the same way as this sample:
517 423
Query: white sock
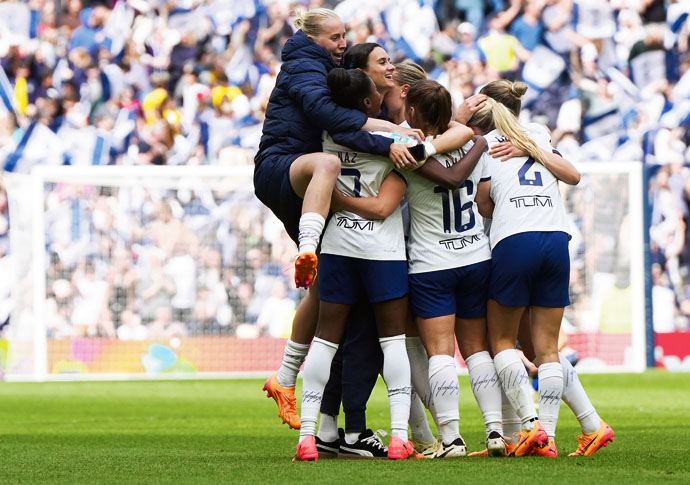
328 427
419 369
351 438
576 398
293 357
310 229
511 421
487 389
550 392
317 370
443 380
515 382
396 373
419 424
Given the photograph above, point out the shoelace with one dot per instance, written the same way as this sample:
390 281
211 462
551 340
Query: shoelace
583 441
292 400
376 439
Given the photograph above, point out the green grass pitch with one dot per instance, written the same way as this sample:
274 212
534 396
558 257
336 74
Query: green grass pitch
228 432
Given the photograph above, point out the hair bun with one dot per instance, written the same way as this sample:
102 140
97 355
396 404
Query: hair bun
518 89
300 17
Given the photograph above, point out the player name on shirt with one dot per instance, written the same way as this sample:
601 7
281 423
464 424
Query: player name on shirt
347 157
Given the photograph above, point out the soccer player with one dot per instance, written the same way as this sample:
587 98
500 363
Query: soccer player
530 266
358 362
295 179
360 351
361 254
449 260
595 432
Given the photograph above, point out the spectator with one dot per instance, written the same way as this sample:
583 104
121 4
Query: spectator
277 312
181 269
154 288
90 316
163 327
467 49
528 27
502 51
131 327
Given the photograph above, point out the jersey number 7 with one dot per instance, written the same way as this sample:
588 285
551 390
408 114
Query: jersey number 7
353 172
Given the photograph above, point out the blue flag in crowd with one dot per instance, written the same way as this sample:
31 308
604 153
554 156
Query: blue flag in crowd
6 92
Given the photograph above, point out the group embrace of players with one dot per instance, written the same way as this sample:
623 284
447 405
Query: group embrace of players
394 292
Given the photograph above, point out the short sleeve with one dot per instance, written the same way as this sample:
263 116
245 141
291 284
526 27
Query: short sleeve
485 173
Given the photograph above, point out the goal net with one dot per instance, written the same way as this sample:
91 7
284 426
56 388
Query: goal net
125 272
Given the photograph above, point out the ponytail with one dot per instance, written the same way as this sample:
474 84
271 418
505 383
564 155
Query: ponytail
495 115
506 92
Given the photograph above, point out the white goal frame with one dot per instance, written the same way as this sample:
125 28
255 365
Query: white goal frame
160 176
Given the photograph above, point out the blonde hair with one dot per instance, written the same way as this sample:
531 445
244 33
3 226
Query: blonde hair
506 92
311 21
408 72
496 115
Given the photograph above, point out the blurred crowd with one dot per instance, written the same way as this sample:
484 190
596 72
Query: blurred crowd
141 263
670 247
130 82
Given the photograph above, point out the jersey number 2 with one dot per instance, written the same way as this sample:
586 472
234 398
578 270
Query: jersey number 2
458 206
522 174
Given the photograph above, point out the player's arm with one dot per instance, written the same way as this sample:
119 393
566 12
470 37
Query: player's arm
454 176
308 87
453 138
561 168
483 199
375 124
376 208
365 142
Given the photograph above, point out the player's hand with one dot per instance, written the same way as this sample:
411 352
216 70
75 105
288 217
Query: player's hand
469 107
410 133
401 157
506 151
418 165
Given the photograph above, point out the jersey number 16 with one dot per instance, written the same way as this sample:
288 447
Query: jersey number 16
458 206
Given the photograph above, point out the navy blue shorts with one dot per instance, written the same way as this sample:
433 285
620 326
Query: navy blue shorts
460 291
273 188
531 269
342 277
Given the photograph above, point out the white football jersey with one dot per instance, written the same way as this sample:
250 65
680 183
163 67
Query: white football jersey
525 193
446 230
348 234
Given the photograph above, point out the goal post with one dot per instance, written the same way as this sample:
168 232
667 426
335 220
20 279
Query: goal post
613 245
180 272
